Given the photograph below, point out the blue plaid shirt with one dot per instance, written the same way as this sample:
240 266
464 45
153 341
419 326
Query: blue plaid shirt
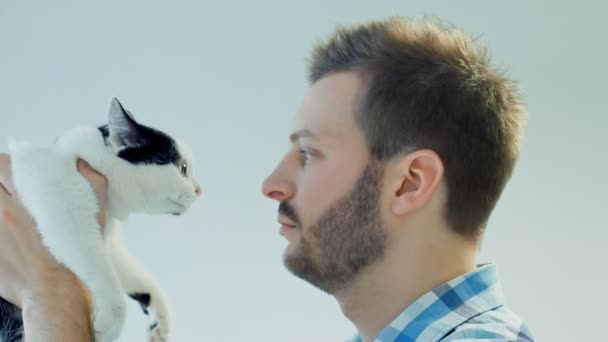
468 308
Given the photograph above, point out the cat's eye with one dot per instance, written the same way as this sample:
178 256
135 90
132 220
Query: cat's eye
184 168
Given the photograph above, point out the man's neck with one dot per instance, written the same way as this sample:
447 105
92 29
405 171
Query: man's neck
407 271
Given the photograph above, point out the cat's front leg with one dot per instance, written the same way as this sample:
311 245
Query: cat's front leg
141 287
81 249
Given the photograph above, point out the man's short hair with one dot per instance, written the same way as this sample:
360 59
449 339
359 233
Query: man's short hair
431 87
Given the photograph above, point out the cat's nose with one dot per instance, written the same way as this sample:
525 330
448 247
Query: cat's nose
198 190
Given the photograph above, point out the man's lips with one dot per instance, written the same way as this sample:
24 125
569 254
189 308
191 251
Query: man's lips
286 226
284 222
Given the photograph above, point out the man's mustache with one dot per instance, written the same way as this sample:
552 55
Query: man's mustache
288 211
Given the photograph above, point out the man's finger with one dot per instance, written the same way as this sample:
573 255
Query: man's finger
3 191
6 178
85 169
83 166
98 180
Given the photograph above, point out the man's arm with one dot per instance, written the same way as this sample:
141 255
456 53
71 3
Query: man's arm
55 304
60 312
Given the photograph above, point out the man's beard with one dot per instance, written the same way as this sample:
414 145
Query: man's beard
346 238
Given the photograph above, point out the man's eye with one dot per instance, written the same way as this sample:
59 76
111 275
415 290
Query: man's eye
184 168
306 155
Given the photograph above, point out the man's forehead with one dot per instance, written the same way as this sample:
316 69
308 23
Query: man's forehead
329 106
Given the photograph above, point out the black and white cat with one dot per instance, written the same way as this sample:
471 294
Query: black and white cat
147 171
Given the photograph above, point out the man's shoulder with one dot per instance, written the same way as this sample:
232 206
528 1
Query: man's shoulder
499 324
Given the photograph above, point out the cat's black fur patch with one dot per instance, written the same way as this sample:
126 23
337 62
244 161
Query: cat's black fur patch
105 132
143 299
156 148
11 322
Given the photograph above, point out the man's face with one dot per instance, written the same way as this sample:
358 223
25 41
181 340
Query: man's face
328 188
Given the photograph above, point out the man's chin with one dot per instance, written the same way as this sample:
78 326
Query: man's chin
294 256
303 267
291 251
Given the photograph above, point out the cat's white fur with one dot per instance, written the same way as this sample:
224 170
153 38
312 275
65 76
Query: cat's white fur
64 206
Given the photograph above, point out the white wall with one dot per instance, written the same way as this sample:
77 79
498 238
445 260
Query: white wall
227 77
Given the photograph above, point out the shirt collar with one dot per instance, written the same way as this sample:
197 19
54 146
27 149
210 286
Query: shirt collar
439 311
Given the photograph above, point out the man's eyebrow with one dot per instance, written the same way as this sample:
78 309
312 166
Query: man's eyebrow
303 133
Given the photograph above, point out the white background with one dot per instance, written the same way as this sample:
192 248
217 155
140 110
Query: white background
227 77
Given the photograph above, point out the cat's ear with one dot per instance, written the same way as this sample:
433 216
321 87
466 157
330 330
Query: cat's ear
125 132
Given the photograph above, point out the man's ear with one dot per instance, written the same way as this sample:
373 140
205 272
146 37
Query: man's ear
412 180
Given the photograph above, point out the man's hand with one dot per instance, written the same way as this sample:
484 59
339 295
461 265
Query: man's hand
100 186
23 258
53 300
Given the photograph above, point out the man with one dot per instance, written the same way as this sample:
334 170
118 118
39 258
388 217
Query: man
400 151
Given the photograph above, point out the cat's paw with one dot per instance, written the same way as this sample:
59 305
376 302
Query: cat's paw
156 308
157 332
159 324
109 320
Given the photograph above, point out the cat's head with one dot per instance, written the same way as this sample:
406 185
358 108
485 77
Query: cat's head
159 169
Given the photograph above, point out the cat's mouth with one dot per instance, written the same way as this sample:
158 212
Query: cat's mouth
180 208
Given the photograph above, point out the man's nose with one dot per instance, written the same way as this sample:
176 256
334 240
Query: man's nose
278 187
